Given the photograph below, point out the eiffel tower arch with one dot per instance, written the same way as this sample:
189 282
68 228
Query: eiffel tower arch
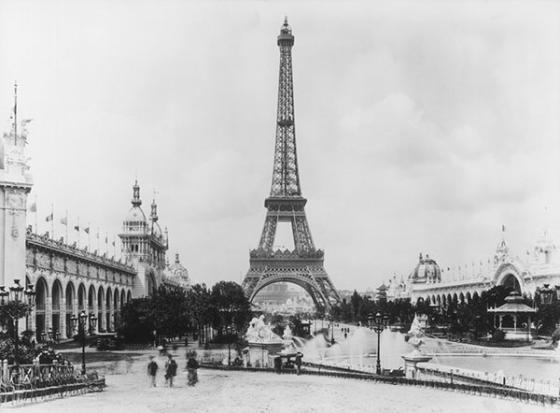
304 265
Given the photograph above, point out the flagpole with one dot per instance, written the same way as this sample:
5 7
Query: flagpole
36 219
88 236
78 232
98 249
52 221
15 113
67 240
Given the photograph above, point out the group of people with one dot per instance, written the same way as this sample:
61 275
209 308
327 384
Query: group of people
171 370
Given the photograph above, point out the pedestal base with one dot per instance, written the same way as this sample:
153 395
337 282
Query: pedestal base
411 361
259 354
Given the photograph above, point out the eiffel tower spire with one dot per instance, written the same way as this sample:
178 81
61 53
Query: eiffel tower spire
285 175
304 265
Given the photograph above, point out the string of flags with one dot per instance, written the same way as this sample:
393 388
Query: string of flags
77 229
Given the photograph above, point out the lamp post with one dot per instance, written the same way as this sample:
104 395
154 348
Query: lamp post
228 332
377 323
332 330
17 309
15 291
30 294
80 322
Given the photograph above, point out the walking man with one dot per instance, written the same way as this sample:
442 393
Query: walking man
298 362
192 366
170 370
152 371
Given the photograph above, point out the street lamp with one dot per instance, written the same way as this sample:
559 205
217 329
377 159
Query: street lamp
30 294
228 332
80 322
15 292
332 330
377 323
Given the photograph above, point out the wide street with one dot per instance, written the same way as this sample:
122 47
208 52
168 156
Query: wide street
218 391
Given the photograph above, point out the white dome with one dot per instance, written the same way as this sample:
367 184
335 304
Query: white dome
135 216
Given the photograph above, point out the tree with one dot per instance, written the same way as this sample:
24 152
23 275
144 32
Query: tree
355 303
198 297
547 316
138 321
166 312
171 311
229 306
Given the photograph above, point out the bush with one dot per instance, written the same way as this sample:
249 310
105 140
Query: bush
498 335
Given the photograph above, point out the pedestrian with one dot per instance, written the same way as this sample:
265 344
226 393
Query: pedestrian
170 370
152 371
278 364
192 366
298 362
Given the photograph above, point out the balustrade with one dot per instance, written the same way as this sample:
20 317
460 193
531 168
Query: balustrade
34 376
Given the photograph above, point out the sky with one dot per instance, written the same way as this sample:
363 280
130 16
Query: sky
421 126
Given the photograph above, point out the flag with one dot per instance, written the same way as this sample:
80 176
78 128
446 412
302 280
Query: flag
503 228
64 221
33 207
86 230
77 227
49 217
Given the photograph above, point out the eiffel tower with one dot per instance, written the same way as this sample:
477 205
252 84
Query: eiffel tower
304 265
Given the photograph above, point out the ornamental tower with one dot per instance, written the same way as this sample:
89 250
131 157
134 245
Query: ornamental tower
15 184
304 265
144 245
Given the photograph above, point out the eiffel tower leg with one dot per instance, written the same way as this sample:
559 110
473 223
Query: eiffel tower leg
302 234
268 233
328 290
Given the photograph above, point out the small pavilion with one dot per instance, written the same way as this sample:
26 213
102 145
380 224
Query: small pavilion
514 318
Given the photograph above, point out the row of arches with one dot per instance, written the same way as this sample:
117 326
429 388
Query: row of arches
55 305
505 276
444 300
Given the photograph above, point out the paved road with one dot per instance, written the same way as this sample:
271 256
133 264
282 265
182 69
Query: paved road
240 392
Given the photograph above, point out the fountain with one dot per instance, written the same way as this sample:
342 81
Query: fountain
262 343
352 352
411 359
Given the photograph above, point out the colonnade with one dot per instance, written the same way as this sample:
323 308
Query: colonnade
58 300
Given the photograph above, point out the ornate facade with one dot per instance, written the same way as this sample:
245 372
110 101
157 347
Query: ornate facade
144 245
68 279
177 275
538 269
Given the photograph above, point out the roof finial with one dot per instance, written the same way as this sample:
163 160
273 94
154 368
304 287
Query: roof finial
285 20
136 201
154 214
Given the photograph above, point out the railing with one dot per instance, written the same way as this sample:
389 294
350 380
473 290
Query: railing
478 389
431 371
42 381
33 376
548 387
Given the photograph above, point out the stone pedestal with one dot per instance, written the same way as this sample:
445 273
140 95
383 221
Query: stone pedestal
411 361
259 353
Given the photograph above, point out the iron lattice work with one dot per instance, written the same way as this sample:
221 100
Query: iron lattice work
304 265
